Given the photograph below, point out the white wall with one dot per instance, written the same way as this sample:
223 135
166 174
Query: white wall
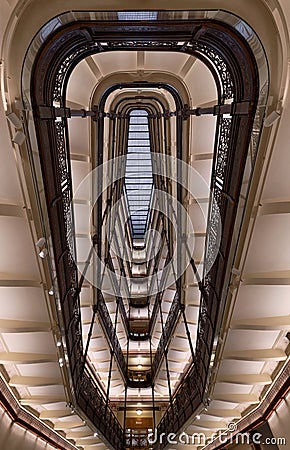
279 423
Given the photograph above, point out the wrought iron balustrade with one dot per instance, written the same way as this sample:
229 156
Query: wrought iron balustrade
234 69
166 335
135 439
97 409
110 332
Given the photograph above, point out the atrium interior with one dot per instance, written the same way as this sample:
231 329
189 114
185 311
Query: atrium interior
145 271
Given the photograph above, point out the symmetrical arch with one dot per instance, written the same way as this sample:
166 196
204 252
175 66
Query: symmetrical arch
232 63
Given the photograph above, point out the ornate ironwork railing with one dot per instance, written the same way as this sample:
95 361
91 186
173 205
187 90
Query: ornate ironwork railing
234 69
136 440
110 332
118 296
166 335
95 407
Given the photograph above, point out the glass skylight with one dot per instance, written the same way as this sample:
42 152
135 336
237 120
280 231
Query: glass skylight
137 15
138 174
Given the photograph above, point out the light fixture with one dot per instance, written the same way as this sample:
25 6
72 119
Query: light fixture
95 434
198 417
14 119
43 250
43 253
19 138
51 291
271 118
139 411
139 366
40 243
236 271
58 344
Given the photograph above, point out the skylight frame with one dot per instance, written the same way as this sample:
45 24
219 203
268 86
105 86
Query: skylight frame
138 184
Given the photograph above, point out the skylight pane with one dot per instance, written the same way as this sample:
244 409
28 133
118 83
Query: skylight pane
137 15
138 173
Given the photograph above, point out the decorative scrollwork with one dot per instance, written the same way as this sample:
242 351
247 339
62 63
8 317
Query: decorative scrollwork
222 151
91 393
166 333
218 182
63 70
111 334
220 66
258 120
142 44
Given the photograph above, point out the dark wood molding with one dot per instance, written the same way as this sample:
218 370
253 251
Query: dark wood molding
278 391
26 420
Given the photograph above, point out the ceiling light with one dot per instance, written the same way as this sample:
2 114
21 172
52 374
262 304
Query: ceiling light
16 122
198 417
95 434
139 412
271 118
139 366
40 243
60 360
19 138
51 292
43 253
58 344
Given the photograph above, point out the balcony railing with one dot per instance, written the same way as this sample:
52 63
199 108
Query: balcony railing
234 66
166 335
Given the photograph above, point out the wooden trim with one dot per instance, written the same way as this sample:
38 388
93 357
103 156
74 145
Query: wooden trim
31 423
280 388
